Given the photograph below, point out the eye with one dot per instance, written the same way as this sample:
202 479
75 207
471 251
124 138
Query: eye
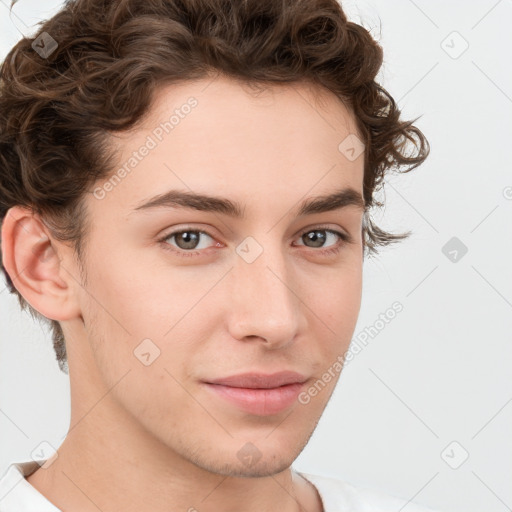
319 235
188 240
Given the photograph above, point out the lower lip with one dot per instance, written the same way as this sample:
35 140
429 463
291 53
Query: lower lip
262 402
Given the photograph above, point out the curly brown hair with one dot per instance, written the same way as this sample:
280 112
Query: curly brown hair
100 75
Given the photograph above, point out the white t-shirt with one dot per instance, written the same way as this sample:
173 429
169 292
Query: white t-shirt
18 495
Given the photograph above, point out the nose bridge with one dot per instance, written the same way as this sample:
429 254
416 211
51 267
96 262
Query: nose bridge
264 302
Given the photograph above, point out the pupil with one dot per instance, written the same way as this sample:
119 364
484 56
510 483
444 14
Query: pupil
314 237
190 236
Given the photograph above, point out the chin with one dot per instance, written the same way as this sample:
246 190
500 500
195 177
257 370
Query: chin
259 469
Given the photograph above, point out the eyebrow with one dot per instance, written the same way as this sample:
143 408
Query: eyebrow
205 203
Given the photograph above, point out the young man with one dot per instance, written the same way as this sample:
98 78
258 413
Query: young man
185 191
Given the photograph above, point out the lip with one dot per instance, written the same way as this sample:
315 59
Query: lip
257 393
256 380
262 402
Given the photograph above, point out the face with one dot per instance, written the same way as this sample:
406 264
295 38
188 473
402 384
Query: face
178 295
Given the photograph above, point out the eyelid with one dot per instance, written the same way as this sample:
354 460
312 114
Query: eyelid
327 227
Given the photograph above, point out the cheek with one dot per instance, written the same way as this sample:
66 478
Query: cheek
123 309
337 297
132 293
334 311
132 301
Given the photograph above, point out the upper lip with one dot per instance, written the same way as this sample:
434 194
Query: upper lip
260 380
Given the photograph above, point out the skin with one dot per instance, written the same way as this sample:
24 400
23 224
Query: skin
151 437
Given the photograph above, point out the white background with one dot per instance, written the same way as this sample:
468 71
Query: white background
441 370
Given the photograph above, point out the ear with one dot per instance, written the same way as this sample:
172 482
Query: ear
31 258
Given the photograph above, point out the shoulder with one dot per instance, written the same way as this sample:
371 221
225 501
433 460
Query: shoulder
339 495
16 493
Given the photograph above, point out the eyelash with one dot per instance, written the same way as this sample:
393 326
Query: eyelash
345 239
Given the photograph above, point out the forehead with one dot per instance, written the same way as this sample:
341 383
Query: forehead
239 138
236 98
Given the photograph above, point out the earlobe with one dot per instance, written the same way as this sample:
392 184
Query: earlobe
31 258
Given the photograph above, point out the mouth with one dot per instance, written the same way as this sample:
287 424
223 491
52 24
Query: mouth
254 380
258 401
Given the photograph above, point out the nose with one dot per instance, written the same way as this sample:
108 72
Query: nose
264 303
